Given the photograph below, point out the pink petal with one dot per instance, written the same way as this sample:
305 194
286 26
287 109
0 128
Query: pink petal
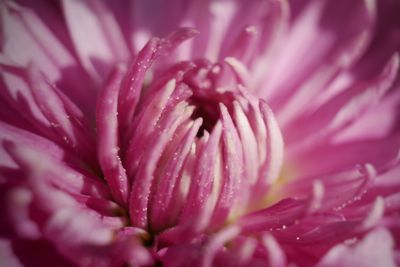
108 138
7 256
314 42
22 26
197 211
165 201
376 249
275 253
145 176
90 24
284 212
232 171
342 109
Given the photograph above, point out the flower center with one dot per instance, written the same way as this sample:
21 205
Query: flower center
203 79
206 105
197 151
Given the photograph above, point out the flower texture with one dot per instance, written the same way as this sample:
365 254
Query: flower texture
200 133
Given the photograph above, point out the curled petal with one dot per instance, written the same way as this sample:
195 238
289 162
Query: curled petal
108 139
142 185
198 208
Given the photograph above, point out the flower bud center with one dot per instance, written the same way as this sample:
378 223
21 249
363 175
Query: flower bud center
203 81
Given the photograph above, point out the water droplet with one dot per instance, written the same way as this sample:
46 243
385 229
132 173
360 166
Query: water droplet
350 241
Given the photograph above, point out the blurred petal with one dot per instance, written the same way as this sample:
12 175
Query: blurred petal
375 249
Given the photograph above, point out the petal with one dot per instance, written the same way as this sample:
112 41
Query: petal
272 165
145 176
285 212
341 188
69 128
144 124
108 138
248 142
16 90
55 212
200 201
22 26
168 191
48 49
93 23
317 39
133 82
352 153
377 123
7 256
232 171
275 253
216 243
342 109
54 116
376 249
17 135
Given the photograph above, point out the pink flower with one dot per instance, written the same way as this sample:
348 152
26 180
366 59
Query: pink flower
200 133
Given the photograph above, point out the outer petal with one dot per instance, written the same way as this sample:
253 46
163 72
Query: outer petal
376 249
96 35
321 45
342 109
7 256
21 26
48 48
55 213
